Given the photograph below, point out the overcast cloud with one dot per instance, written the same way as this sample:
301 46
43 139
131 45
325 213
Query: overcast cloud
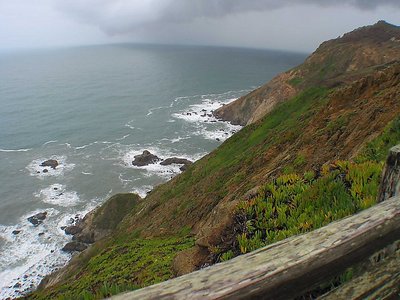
283 24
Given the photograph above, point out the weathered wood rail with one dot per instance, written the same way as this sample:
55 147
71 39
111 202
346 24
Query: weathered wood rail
290 268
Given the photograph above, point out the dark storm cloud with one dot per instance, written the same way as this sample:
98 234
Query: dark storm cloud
120 16
179 10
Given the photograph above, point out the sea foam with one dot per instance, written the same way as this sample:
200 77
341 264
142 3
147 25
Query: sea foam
57 194
35 168
35 251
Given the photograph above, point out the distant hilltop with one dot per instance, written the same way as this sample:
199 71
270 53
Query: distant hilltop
338 60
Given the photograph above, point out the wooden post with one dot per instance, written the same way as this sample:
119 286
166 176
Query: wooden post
390 183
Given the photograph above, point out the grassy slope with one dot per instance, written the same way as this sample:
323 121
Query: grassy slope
313 128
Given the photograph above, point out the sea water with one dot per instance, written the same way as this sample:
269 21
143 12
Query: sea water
93 109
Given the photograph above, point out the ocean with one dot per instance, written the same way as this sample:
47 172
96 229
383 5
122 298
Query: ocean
93 109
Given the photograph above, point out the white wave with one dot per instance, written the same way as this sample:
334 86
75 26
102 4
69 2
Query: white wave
176 140
202 112
68 145
49 142
56 194
142 191
34 252
217 97
36 170
83 146
15 150
129 125
220 134
122 138
157 169
150 111
86 173
206 124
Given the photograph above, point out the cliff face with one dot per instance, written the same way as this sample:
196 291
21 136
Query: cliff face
194 213
334 62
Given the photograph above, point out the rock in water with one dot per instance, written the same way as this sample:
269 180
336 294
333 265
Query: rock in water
144 159
74 246
52 163
176 160
72 230
38 218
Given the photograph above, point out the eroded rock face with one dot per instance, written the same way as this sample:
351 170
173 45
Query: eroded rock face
190 260
52 163
144 159
101 221
38 218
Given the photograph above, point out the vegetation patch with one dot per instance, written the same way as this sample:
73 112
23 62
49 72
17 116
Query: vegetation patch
377 149
293 204
123 266
296 81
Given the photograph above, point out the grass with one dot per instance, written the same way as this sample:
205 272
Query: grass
295 81
378 148
280 126
120 267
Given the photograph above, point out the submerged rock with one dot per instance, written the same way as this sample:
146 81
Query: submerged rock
144 159
74 246
38 218
52 163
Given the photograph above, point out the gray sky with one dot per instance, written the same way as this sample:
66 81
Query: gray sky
298 25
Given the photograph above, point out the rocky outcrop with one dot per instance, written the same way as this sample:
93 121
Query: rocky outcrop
144 159
38 218
334 62
52 163
103 220
259 102
73 230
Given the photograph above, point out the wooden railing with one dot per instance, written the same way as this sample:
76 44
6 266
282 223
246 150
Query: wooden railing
296 265
290 267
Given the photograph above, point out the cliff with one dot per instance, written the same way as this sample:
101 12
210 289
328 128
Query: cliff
335 62
270 170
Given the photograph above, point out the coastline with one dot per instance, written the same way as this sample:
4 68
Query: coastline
57 194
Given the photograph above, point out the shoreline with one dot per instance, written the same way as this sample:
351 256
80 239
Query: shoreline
30 279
